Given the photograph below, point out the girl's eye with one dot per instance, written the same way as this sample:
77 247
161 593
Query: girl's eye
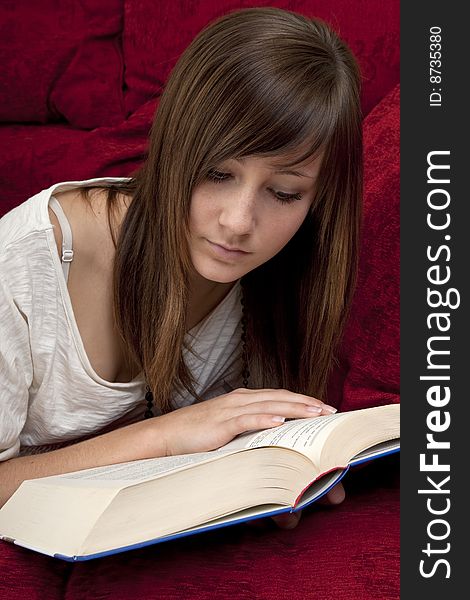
286 198
282 197
217 176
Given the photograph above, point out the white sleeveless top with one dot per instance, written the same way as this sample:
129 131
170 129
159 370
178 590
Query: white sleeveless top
49 392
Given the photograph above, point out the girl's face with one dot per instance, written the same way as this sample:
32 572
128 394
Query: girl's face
246 212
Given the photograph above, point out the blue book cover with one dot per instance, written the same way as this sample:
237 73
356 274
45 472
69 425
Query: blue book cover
106 510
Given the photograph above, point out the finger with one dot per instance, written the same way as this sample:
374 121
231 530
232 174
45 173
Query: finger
285 396
292 410
287 521
280 394
335 496
253 422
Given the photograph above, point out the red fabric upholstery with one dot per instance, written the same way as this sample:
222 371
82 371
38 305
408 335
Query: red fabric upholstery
39 156
62 60
98 68
152 44
369 369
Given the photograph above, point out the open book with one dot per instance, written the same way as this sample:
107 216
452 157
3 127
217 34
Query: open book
94 512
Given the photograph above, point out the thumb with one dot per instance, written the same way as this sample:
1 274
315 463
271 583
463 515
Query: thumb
287 520
335 496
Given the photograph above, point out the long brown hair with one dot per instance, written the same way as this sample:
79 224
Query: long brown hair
258 81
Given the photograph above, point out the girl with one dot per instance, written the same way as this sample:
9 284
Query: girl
210 290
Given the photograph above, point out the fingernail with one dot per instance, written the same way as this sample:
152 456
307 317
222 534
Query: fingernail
336 495
314 409
330 409
278 419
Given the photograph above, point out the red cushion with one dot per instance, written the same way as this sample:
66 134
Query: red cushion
369 369
46 154
25 575
156 33
61 61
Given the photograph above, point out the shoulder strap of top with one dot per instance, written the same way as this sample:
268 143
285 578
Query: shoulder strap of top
67 252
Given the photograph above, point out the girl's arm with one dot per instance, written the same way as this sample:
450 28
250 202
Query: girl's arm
133 442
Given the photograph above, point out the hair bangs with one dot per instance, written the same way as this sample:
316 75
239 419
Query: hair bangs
270 116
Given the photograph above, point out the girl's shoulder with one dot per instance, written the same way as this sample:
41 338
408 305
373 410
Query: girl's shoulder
88 220
33 217
89 280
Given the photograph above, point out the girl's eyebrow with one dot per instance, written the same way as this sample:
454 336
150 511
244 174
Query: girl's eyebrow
284 171
296 173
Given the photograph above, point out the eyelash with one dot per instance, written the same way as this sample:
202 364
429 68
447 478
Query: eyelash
219 177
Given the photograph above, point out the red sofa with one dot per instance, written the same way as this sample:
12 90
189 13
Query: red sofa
81 82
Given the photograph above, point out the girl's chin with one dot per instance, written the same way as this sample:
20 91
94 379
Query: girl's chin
221 274
220 278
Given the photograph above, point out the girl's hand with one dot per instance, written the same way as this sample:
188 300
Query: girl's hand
213 423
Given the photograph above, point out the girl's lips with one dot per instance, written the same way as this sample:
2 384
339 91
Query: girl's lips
224 252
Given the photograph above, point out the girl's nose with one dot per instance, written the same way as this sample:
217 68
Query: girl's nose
238 214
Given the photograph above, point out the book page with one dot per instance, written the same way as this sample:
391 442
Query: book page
380 449
330 440
139 470
298 434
